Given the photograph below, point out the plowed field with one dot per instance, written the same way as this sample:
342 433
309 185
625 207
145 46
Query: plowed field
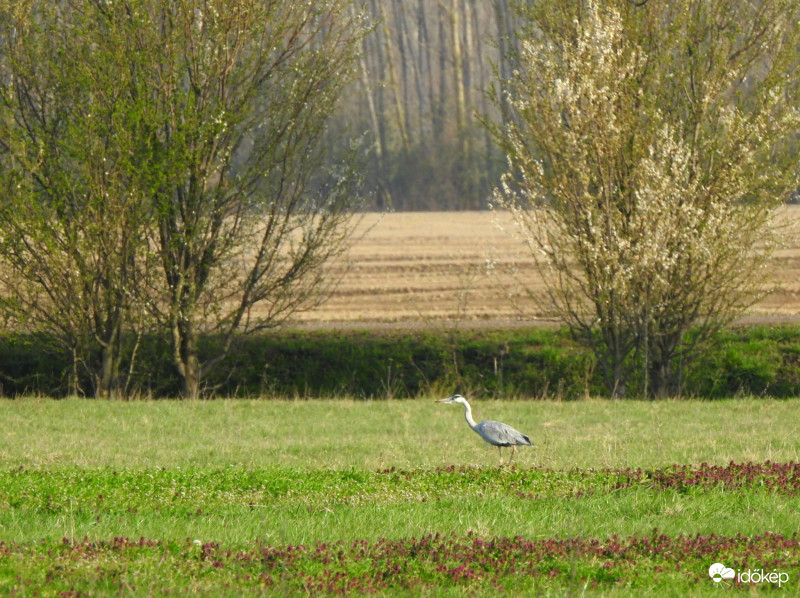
469 269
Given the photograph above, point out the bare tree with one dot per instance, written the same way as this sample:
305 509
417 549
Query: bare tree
648 152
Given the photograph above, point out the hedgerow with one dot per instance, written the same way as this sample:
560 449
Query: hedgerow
530 363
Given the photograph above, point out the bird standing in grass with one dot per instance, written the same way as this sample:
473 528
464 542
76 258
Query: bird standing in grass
495 433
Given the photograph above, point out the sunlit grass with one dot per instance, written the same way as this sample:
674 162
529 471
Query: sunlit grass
80 477
281 506
378 434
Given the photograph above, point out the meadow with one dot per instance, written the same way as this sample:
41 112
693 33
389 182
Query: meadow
250 497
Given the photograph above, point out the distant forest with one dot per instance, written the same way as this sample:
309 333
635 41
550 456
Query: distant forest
422 87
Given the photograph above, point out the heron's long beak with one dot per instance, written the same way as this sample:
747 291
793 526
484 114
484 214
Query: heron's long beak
447 400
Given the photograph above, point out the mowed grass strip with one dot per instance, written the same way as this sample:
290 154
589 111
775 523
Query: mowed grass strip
407 434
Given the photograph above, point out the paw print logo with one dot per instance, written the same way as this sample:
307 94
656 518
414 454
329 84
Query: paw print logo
720 573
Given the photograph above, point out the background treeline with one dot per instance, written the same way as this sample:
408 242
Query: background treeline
424 74
168 186
516 363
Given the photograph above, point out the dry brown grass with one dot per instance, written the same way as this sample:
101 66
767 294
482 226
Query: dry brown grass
470 269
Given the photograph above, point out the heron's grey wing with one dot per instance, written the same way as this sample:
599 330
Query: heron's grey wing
500 434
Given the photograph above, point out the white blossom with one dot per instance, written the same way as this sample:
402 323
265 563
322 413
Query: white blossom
644 176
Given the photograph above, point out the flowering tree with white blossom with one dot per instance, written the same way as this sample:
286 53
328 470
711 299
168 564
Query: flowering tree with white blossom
649 148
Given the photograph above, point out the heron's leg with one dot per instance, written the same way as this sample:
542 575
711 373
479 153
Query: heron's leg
500 450
513 450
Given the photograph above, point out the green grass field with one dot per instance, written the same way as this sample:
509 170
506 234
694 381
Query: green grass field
396 498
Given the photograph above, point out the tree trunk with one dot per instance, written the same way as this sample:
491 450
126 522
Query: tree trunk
379 135
503 69
107 384
661 379
438 101
375 89
187 363
394 84
618 390
404 54
108 334
458 73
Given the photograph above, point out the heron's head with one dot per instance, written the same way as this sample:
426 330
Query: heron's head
454 399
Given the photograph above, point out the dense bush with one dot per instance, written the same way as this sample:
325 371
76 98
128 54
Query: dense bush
509 363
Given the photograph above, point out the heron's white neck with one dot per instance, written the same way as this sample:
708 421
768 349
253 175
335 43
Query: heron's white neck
468 415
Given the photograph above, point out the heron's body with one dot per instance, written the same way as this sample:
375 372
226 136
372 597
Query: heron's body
495 433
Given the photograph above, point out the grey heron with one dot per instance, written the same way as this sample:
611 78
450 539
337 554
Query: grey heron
495 433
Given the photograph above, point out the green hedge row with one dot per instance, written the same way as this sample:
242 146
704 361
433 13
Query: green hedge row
511 363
